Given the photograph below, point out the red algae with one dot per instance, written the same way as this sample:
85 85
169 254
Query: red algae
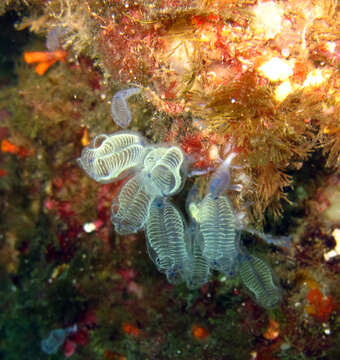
321 306
109 355
199 332
130 329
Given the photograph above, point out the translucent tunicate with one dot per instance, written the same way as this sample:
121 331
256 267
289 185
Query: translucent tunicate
198 271
220 244
52 343
165 232
110 157
120 111
163 170
131 206
55 339
165 265
53 38
256 275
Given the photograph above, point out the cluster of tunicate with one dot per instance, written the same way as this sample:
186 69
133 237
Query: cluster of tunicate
213 236
161 173
157 172
216 235
183 252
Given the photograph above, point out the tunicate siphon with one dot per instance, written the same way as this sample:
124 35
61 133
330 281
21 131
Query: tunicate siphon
220 181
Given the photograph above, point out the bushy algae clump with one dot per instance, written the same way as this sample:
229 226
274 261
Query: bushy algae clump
239 67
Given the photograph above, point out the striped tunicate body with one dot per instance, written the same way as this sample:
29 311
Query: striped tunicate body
130 209
120 111
165 232
256 275
162 170
110 157
198 271
220 245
